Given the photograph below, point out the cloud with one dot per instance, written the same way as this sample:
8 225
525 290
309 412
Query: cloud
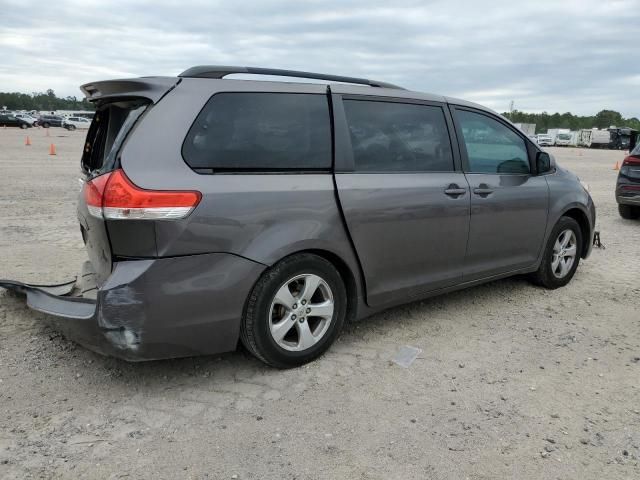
575 55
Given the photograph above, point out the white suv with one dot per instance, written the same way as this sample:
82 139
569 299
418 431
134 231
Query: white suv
72 123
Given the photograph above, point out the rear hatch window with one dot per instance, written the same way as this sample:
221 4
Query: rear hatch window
109 128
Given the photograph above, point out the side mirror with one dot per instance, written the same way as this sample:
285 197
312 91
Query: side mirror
543 163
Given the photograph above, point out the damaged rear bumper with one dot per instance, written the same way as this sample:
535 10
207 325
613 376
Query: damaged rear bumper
152 309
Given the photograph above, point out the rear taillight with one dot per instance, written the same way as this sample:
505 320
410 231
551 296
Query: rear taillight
631 160
113 196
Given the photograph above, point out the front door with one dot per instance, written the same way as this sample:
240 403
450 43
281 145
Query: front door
405 204
509 204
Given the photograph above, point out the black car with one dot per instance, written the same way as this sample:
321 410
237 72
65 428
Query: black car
628 185
47 121
8 120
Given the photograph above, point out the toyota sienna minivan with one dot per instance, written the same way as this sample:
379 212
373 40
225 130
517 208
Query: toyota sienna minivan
216 210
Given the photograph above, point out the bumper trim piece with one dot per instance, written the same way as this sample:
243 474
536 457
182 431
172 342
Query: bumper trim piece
54 299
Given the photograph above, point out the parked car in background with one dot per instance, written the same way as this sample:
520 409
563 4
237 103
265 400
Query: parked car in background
272 212
47 121
544 140
72 123
628 185
33 121
10 120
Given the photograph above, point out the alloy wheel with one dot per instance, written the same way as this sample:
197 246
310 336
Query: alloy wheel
564 253
301 312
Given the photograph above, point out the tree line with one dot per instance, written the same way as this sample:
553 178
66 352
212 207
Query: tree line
45 101
544 120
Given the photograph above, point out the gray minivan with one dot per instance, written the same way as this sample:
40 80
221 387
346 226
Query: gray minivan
216 210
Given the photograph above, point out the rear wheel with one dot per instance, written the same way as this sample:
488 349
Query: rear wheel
71 128
561 255
628 212
45 125
23 126
295 311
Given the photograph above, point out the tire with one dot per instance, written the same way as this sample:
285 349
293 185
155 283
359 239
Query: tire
552 273
24 126
45 125
628 212
264 311
71 128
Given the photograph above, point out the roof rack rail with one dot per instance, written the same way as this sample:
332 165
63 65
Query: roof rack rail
218 71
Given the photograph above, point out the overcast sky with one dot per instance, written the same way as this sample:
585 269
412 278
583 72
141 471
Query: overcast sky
570 55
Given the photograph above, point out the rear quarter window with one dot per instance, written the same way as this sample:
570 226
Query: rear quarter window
260 132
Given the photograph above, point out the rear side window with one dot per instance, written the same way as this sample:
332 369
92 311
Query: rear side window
260 132
491 146
398 137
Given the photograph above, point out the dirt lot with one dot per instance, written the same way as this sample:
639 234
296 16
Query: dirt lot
513 382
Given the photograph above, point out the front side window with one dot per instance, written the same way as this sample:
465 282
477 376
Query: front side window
398 137
261 131
491 146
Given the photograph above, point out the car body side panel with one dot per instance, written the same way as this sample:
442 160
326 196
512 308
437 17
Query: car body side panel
262 216
507 226
410 236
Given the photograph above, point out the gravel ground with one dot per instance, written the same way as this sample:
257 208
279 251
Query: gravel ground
513 381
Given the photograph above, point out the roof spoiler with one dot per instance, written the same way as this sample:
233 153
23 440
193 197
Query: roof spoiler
219 71
152 88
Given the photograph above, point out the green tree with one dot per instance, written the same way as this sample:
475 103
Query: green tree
545 121
46 101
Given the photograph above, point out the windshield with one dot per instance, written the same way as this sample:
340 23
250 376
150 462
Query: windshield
564 136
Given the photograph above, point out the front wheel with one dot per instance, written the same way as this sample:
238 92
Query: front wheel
295 311
561 255
24 126
71 128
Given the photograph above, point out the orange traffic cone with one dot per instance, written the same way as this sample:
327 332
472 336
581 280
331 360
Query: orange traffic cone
27 141
616 166
52 149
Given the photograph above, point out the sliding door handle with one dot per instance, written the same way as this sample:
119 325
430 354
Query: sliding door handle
454 190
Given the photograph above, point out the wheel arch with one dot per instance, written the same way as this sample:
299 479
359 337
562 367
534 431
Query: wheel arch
585 228
352 286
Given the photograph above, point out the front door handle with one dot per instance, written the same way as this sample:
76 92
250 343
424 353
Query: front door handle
483 190
454 190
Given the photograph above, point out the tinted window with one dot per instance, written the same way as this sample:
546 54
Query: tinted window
261 131
636 150
491 146
398 137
